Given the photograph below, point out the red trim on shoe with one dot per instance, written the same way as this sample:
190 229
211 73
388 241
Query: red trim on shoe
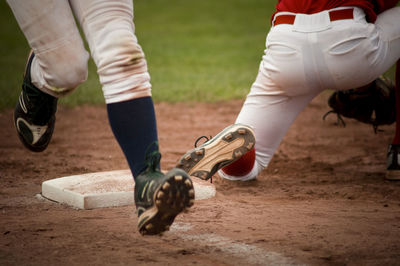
241 166
396 139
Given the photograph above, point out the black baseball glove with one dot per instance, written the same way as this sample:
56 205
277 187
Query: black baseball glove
374 104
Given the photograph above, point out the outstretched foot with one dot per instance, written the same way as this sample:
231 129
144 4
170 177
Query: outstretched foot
161 197
226 147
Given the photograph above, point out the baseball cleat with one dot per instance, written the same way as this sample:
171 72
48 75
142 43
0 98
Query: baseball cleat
393 162
225 148
161 197
34 114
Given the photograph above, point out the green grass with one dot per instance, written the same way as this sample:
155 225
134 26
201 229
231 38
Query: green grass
197 50
203 50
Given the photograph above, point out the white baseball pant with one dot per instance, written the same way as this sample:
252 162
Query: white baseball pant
303 59
60 62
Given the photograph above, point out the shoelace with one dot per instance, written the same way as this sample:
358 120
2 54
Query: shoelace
202 137
41 105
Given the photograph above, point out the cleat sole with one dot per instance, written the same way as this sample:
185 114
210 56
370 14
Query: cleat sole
225 148
173 197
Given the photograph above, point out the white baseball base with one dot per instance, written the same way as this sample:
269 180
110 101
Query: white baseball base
104 189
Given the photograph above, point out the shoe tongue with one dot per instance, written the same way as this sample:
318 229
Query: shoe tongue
153 160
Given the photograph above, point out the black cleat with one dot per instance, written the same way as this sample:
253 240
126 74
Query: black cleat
393 162
34 115
161 197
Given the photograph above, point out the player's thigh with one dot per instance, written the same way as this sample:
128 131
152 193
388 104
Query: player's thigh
282 67
352 55
52 33
388 27
270 116
360 52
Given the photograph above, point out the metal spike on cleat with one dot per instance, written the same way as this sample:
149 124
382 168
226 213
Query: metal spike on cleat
166 186
228 136
250 146
191 202
188 183
191 193
149 226
199 152
242 131
238 154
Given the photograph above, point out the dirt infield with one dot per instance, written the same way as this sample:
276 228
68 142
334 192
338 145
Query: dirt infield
322 201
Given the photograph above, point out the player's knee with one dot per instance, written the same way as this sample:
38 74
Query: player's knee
122 68
68 74
71 74
122 55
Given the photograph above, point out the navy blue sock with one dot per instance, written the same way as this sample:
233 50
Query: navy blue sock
134 126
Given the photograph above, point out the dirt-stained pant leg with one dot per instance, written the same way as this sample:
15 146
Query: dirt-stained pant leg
301 61
60 64
110 32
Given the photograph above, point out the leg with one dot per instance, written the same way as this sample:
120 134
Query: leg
279 93
270 117
122 68
277 96
56 66
389 32
393 156
263 121
396 140
382 50
60 62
